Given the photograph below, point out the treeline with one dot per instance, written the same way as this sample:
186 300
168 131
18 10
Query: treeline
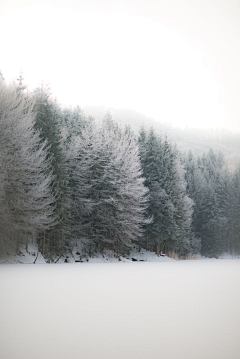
67 180
216 195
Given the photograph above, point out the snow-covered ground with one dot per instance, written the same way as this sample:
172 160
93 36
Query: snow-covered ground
108 257
32 255
142 310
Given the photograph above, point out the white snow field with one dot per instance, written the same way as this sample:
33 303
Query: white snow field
175 309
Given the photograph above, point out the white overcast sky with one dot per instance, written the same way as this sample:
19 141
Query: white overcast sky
175 60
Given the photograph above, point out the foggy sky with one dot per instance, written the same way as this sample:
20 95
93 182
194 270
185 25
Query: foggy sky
176 61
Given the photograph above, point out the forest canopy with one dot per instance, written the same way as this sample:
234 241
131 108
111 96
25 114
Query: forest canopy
70 181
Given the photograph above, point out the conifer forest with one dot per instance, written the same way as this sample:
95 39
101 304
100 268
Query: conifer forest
69 180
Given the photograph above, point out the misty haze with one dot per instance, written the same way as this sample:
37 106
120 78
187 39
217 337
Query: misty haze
119 179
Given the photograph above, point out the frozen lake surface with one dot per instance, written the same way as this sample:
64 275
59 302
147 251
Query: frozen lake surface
182 309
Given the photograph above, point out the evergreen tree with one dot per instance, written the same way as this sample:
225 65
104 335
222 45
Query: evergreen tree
169 205
208 187
233 212
150 150
110 197
21 86
72 123
26 201
1 77
48 117
183 204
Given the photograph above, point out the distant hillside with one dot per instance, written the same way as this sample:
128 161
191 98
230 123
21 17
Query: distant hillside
196 140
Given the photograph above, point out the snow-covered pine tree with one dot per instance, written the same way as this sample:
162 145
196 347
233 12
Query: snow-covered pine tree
208 187
185 241
48 117
182 240
214 228
151 160
21 86
72 123
233 213
1 77
169 206
131 195
110 197
195 185
26 200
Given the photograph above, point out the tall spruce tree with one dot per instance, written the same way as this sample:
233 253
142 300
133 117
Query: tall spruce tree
183 204
233 211
48 118
208 185
110 197
159 204
26 200
72 123
169 205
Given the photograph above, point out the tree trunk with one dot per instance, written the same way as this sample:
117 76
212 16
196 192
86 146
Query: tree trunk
18 249
40 245
158 249
27 246
43 244
233 247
